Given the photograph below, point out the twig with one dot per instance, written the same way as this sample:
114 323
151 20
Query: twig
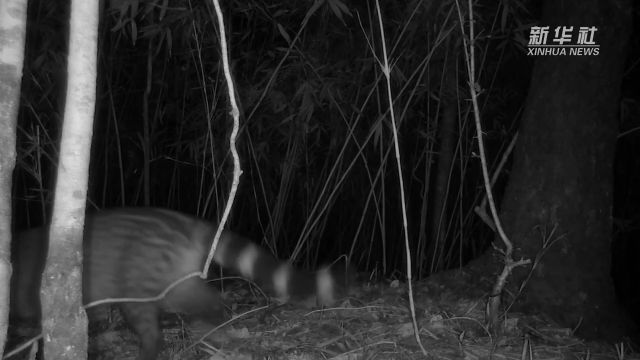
202 338
235 113
493 304
146 299
32 343
387 73
547 242
480 210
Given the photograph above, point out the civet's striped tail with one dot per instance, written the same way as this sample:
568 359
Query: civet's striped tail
278 278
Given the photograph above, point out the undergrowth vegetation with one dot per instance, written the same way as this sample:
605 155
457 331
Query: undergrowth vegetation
319 178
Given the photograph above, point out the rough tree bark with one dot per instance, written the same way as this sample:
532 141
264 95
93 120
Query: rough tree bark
64 320
13 23
562 174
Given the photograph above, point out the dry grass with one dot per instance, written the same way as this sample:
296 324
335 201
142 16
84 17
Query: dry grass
374 323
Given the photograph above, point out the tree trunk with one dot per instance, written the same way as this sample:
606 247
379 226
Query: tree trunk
562 177
13 23
64 320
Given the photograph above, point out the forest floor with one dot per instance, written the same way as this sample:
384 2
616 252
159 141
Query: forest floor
373 323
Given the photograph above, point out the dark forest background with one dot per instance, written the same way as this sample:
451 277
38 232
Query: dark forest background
315 143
